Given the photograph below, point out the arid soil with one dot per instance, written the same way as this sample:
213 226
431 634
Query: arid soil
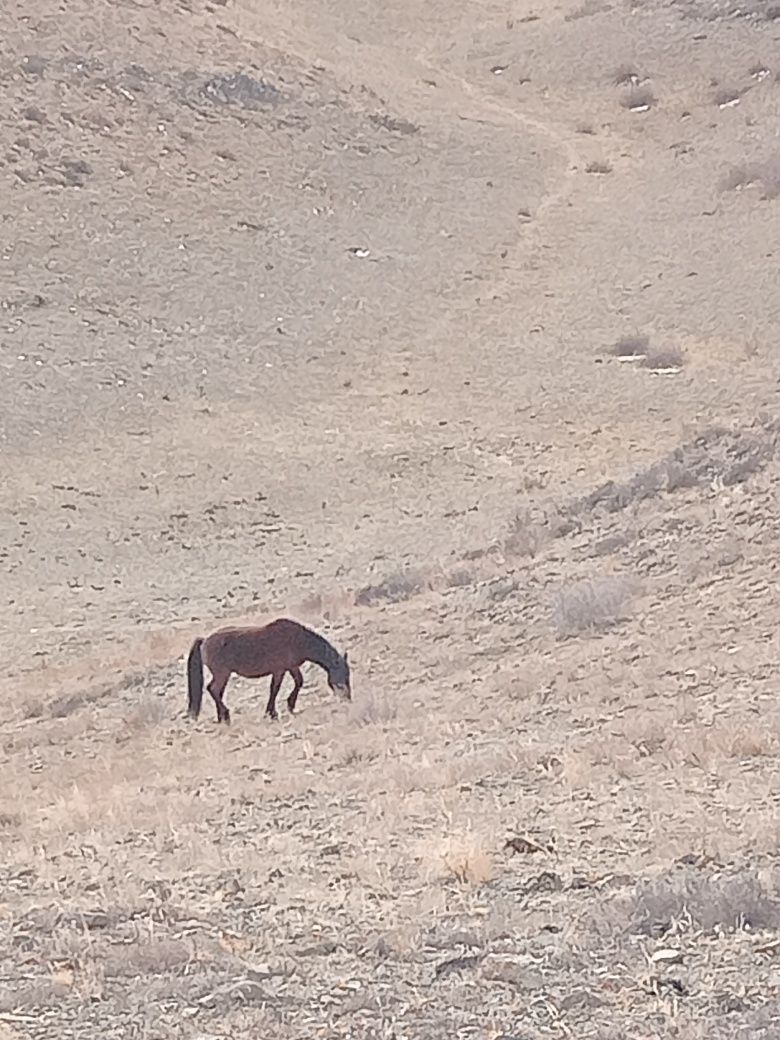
452 331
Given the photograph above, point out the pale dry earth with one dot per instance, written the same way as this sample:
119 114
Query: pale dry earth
313 310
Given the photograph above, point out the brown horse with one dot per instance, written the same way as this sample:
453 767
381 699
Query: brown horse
282 646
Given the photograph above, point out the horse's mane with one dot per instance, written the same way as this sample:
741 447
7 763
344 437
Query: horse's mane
327 653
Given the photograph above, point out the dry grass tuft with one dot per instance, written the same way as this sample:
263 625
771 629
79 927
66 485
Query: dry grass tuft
638 99
466 861
526 536
148 715
594 603
458 578
764 173
372 709
598 167
152 956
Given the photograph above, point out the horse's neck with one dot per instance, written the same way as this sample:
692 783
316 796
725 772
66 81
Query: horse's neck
320 651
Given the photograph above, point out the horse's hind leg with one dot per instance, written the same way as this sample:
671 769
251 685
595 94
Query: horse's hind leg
216 688
298 680
270 708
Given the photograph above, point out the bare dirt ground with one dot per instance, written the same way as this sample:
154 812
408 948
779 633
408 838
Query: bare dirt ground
450 330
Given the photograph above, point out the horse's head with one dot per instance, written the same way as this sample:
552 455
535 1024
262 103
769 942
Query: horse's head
338 678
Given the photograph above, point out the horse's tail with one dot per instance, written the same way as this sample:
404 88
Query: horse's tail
195 678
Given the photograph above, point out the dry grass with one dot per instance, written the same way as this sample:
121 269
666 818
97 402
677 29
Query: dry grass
463 859
724 901
594 603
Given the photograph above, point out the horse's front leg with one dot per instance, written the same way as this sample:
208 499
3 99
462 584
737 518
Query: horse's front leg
270 708
298 680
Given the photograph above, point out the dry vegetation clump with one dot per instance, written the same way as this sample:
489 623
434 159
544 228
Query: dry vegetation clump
394 589
458 578
463 859
372 709
626 76
526 536
758 70
638 99
739 741
631 346
663 358
726 96
711 902
763 173
594 603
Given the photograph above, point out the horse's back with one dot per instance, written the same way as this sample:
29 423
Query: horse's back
249 650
